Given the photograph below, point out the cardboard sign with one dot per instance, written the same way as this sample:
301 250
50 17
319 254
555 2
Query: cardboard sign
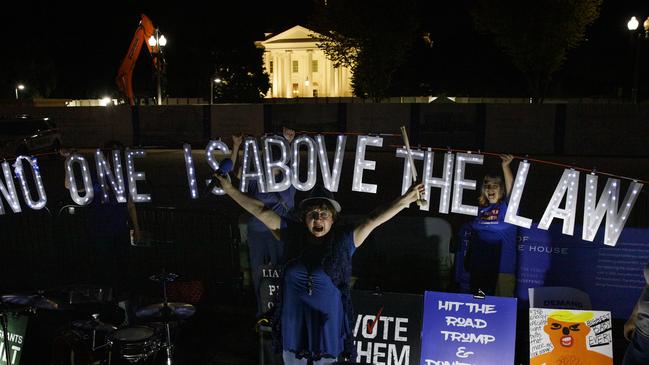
387 327
560 336
269 282
462 330
558 297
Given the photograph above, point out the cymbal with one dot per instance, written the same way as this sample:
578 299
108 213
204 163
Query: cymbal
93 325
172 311
31 300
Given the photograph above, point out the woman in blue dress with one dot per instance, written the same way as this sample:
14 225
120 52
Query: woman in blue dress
312 320
491 256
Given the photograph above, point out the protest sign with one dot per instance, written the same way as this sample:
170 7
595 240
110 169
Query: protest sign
387 327
460 329
560 336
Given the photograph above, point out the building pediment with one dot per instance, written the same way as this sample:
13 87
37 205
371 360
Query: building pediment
296 34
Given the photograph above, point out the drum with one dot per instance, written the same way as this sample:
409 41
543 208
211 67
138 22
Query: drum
133 344
82 342
72 347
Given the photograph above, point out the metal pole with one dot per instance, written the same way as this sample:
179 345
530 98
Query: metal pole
4 319
159 89
16 93
636 67
211 91
158 65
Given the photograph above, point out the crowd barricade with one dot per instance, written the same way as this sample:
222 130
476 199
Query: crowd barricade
29 258
198 245
43 249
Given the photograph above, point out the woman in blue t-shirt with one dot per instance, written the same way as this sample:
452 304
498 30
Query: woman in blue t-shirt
491 256
312 320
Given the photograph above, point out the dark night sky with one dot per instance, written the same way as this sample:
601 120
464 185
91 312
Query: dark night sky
83 46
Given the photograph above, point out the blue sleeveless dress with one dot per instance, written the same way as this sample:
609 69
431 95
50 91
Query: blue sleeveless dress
315 308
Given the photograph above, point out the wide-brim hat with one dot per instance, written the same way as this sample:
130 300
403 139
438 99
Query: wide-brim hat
319 192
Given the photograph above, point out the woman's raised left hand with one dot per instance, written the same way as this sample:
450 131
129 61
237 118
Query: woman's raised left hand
506 159
413 194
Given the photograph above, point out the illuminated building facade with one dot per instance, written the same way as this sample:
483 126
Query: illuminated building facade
299 69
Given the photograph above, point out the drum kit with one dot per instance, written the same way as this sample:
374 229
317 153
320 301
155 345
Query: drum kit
91 341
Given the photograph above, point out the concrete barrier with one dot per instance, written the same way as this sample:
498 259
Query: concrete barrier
612 130
570 129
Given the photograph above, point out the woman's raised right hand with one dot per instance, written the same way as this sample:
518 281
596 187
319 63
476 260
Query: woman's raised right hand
225 183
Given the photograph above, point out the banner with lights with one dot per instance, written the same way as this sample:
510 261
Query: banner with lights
261 169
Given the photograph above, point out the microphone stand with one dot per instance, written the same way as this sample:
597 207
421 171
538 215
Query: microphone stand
166 312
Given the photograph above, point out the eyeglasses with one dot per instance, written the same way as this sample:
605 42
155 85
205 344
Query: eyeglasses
315 214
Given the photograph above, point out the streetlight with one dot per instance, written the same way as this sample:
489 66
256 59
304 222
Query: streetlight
20 87
638 38
157 42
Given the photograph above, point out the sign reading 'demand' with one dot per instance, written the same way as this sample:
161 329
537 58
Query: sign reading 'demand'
273 175
459 329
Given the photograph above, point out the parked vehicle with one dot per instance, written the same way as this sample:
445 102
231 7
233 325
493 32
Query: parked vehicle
25 135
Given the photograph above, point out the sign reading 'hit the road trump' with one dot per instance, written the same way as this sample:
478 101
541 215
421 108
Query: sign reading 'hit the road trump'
462 330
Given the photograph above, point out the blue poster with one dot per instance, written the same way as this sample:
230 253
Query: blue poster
612 276
461 329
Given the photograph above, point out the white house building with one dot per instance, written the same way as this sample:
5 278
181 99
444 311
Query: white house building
299 69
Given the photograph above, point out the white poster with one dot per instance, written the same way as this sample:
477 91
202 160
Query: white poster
560 336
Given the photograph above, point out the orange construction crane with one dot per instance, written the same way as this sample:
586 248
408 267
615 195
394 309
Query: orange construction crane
124 79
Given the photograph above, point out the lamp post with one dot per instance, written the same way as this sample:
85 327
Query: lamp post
19 87
638 38
157 42
215 80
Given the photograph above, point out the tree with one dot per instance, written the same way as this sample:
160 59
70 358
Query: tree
242 76
537 35
371 38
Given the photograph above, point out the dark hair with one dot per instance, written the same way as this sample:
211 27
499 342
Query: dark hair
318 204
482 199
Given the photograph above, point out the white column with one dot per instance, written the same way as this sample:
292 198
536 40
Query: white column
337 90
332 80
324 80
288 75
347 91
309 74
277 66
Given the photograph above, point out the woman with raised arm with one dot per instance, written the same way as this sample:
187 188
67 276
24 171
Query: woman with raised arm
312 317
491 256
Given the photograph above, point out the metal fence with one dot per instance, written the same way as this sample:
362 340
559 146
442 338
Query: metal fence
44 249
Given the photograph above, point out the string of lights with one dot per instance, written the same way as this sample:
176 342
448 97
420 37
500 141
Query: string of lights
448 149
